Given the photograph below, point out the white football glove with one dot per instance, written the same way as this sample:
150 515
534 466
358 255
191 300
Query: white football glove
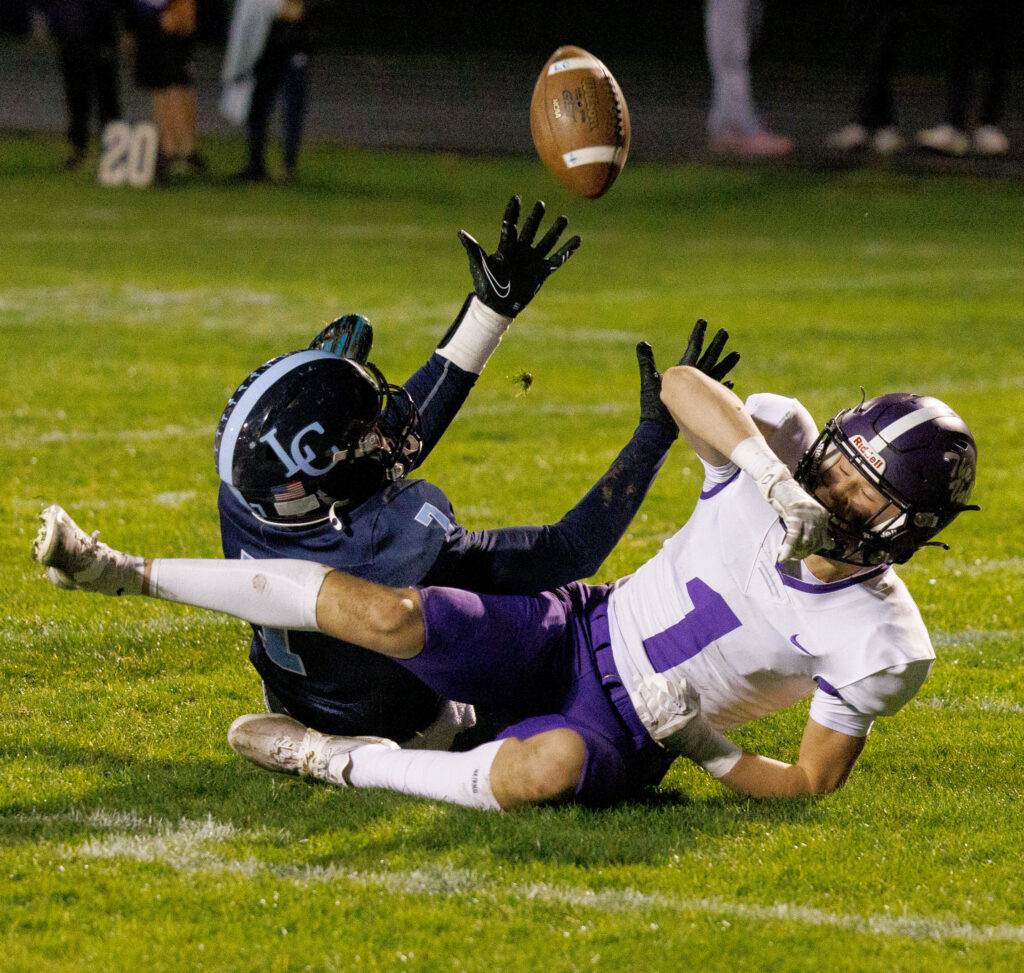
805 520
665 707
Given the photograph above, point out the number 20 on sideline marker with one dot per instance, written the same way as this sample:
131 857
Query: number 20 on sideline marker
129 154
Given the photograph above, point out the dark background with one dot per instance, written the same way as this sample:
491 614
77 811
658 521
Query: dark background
810 32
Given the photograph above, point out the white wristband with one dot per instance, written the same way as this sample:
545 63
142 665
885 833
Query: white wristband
754 456
720 756
713 752
700 742
475 337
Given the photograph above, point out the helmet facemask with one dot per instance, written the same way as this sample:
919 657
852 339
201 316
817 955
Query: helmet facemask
863 541
393 441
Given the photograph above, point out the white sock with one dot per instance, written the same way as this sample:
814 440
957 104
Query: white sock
280 593
459 778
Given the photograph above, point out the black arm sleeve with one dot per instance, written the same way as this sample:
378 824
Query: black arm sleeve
438 388
539 558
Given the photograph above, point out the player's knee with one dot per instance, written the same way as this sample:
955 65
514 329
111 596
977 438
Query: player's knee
543 769
396 618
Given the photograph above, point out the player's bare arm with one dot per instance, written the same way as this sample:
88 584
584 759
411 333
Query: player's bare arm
713 420
386 620
825 761
711 417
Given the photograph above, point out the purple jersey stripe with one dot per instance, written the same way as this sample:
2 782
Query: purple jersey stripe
820 589
827 687
718 487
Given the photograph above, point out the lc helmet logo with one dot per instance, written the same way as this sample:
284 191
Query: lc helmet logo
302 455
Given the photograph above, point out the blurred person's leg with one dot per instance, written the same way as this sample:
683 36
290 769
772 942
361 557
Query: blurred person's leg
733 125
880 25
989 138
269 75
183 115
996 60
296 97
163 117
108 83
727 35
887 24
950 136
963 60
77 75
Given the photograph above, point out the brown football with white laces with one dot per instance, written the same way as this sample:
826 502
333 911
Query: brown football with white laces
580 122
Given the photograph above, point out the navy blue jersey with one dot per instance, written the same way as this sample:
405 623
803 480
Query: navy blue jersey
393 538
408 535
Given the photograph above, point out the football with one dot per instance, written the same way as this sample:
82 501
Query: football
580 122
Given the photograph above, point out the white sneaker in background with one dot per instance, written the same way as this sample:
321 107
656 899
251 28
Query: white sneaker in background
850 138
990 140
888 141
944 139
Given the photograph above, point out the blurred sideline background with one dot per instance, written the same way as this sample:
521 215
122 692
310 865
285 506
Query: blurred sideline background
458 76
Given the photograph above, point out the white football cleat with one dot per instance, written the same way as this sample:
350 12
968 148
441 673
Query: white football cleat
277 742
77 561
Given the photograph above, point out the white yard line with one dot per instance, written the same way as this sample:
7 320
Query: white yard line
186 846
972 704
28 440
974 636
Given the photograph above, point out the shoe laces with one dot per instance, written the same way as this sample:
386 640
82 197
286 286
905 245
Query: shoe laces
289 753
312 759
80 552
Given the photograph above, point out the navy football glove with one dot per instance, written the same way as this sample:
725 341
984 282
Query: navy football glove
507 279
651 406
708 363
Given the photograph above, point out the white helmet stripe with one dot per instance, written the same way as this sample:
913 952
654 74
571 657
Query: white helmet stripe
250 397
911 420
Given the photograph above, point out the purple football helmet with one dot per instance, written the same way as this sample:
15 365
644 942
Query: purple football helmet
917 452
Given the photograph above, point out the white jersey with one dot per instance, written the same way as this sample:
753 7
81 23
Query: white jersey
754 637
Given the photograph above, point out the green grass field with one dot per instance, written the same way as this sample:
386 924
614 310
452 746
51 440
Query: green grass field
134 839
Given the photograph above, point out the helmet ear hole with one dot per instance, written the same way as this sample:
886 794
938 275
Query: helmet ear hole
309 430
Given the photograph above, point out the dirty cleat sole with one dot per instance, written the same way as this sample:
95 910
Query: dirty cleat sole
79 561
48 535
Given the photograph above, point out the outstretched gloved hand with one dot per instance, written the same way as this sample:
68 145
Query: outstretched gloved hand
651 406
507 279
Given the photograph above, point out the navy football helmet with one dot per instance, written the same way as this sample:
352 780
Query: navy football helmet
917 452
310 431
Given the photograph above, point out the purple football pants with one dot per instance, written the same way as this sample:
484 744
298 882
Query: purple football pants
541 662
